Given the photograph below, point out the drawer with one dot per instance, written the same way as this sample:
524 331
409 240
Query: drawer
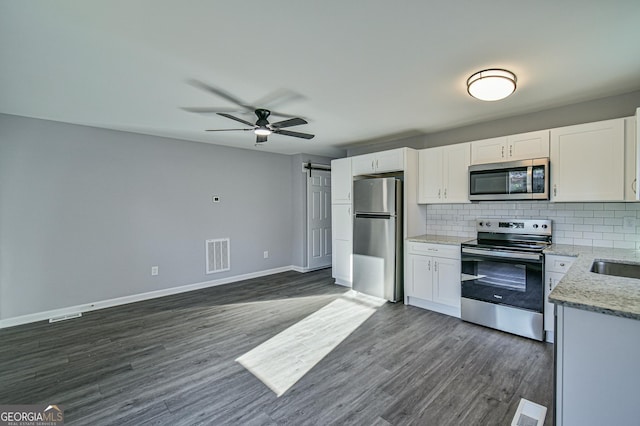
558 263
438 250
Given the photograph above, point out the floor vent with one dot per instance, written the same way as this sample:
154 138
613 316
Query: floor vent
218 255
529 414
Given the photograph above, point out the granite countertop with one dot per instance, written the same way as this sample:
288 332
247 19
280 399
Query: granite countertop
439 239
582 289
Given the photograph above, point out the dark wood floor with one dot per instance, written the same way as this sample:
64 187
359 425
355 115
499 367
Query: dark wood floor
172 361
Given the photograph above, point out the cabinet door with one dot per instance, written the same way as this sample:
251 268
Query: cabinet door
587 162
363 164
390 161
420 280
551 280
341 261
341 181
456 159
446 288
489 151
631 160
341 222
430 167
528 145
342 243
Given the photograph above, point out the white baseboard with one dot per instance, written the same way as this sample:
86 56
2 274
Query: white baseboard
304 269
73 310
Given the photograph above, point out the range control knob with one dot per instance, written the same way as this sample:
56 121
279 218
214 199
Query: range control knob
481 223
544 226
488 224
535 226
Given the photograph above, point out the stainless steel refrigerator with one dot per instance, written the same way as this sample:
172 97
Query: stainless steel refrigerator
377 237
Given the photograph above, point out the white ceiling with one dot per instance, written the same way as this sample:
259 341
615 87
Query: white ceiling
365 69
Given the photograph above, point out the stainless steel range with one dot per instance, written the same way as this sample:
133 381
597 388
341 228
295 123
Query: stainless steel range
503 275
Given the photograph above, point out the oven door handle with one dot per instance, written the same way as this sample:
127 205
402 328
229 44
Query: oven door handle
503 253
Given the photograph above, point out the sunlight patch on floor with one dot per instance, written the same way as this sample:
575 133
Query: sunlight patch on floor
285 358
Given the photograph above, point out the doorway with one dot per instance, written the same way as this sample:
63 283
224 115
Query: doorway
318 219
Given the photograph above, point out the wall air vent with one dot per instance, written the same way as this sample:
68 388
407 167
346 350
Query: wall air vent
218 254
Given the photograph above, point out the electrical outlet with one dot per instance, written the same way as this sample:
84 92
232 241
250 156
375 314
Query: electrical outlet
154 271
266 254
629 224
215 198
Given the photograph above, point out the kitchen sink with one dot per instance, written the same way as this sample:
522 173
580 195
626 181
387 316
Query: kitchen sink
628 270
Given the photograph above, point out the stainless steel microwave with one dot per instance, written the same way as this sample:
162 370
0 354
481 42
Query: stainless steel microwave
514 180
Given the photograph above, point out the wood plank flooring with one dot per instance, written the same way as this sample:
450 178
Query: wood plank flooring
171 361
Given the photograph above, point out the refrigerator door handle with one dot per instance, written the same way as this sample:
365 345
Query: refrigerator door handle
374 216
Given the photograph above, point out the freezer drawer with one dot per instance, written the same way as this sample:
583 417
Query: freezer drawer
376 263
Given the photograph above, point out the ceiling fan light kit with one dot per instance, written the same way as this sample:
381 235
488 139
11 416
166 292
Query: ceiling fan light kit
491 84
263 131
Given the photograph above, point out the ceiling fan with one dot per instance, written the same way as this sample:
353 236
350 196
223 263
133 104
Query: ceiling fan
262 128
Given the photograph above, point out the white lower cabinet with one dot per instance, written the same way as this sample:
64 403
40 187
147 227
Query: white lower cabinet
597 372
555 268
432 277
342 243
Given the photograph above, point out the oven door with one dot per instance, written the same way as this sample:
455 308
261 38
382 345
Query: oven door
503 277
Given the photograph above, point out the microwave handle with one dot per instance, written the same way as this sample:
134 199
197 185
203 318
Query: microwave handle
529 179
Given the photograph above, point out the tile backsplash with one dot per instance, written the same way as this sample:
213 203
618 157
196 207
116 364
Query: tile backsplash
585 224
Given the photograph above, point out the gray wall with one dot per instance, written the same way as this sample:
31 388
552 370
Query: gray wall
86 212
600 109
299 183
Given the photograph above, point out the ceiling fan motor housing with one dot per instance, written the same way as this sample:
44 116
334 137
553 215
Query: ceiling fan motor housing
263 115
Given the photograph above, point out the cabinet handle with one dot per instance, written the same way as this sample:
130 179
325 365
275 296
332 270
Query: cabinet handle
428 265
562 264
377 164
445 193
438 193
550 281
435 266
633 185
502 154
555 190
373 167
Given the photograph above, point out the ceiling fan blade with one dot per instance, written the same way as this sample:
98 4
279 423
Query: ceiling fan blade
221 93
294 134
296 121
279 97
261 138
236 119
211 110
224 130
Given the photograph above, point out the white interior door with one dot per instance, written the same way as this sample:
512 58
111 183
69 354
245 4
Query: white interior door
319 219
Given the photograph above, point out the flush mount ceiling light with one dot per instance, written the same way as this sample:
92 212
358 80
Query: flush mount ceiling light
491 84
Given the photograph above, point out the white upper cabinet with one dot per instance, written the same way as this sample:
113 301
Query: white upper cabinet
587 162
341 181
488 151
443 174
378 162
522 146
